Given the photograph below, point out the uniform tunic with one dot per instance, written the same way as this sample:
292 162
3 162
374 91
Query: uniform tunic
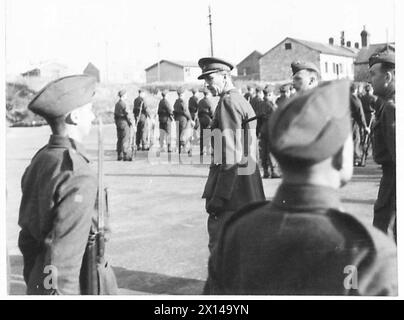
181 116
384 153
358 123
165 112
301 244
205 116
193 106
58 204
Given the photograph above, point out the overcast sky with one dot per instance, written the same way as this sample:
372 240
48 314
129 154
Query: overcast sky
126 32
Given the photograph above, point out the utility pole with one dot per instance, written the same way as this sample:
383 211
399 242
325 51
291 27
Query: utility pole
211 34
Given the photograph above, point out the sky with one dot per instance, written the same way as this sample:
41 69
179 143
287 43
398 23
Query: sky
121 36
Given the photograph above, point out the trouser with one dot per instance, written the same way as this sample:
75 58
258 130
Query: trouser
141 134
181 126
165 134
205 134
123 135
385 207
356 135
267 159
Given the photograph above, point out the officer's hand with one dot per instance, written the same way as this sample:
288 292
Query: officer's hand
215 206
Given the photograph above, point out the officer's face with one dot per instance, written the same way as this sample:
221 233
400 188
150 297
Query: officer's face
379 78
83 117
304 80
215 83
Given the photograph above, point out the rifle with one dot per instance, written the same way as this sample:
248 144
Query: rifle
366 144
96 276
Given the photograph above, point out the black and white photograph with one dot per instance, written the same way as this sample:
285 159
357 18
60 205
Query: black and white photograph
207 148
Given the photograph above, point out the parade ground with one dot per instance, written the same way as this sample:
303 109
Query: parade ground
158 219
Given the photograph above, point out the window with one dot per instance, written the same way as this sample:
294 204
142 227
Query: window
333 67
244 71
288 46
341 70
326 67
187 71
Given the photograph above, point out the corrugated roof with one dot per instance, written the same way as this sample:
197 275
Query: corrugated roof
179 63
365 53
327 48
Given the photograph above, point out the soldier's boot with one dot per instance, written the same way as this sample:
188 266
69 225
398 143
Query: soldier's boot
120 156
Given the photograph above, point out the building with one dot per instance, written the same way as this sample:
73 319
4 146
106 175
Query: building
361 64
173 71
333 61
249 68
48 71
92 70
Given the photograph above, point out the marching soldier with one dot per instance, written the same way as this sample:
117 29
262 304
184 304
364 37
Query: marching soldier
123 125
382 74
233 181
165 113
141 113
358 124
305 75
302 243
182 117
264 113
205 116
285 95
59 190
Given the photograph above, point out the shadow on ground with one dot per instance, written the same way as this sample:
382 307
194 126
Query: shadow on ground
129 281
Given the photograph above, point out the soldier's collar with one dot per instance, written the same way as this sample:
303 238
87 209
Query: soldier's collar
58 141
307 197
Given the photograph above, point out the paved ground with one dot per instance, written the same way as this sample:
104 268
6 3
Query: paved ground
159 243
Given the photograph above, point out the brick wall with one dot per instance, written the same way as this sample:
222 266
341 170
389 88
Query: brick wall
275 64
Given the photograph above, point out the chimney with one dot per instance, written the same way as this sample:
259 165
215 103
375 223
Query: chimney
331 41
356 45
348 44
365 37
342 38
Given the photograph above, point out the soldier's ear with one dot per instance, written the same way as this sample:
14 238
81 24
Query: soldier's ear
71 118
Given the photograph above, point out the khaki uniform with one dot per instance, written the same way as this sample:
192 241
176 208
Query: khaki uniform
57 207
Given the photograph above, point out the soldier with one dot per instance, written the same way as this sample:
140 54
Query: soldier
368 100
193 110
123 125
305 75
141 113
165 113
193 104
228 186
382 74
301 242
264 113
249 95
257 99
182 117
285 95
205 116
59 190
358 124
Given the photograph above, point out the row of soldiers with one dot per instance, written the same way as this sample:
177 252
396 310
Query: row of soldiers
301 242
188 116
